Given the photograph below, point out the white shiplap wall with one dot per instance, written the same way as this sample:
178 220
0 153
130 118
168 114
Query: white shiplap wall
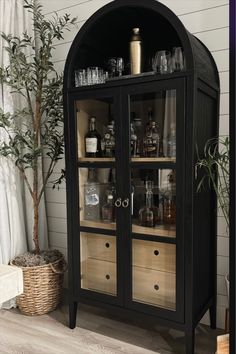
209 21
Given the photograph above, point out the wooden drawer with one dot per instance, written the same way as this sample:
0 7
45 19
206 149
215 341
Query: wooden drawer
98 247
154 255
99 276
154 287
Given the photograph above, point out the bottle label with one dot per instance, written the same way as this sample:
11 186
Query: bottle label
91 199
91 145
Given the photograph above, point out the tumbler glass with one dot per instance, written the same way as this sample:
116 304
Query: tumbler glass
178 59
80 77
163 62
111 65
120 66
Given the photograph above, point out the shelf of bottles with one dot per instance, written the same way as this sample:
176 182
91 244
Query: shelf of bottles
152 140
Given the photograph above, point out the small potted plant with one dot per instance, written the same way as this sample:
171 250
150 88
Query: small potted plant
215 164
32 131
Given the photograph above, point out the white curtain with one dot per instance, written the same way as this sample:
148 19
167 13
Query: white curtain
16 208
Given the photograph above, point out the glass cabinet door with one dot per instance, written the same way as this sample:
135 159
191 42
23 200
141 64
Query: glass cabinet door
97 143
155 120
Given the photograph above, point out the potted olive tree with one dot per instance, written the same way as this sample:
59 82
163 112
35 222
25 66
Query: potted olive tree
32 131
215 164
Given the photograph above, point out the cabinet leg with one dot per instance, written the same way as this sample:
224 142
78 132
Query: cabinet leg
72 314
212 311
189 340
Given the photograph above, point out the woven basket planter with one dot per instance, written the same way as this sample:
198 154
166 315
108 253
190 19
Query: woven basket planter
42 288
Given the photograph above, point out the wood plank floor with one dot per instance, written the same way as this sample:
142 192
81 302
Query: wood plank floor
96 333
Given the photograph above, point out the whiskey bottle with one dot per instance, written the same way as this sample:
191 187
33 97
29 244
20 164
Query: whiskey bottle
92 140
108 209
91 196
151 140
149 214
137 124
108 141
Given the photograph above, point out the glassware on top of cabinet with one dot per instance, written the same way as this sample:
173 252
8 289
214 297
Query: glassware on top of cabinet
151 141
135 50
149 214
91 196
92 140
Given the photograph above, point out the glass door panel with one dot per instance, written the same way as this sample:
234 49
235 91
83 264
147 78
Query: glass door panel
153 201
154 273
153 126
97 191
95 130
98 263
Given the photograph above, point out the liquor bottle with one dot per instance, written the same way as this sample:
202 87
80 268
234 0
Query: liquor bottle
92 140
151 140
108 209
169 210
137 124
92 196
133 141
149 214
171 142
108 141
135 50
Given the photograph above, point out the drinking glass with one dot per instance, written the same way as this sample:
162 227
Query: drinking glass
111 64
120 66
80 77
162 62
178 59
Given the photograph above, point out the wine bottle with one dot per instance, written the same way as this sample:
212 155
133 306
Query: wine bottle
92 140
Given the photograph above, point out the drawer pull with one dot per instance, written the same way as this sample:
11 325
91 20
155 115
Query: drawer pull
107 276
125 203
156 252
156 287
107 244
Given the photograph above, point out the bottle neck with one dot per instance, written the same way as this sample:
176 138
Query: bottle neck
149 198
92 126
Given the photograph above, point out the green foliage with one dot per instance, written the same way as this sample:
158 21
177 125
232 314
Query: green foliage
215 164
37 128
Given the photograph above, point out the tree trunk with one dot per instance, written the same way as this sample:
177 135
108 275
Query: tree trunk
36 226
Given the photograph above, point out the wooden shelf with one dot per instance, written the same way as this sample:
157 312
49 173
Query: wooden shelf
96 159
153 159
98 224
162 230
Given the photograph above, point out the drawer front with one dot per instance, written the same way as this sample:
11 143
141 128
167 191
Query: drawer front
98 246
154 255
99 276
154 287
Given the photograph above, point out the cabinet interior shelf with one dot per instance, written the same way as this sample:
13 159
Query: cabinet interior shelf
153 159
96 159
161 230
98 224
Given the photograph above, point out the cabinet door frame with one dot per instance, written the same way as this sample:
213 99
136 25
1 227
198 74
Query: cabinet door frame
73 202
179 85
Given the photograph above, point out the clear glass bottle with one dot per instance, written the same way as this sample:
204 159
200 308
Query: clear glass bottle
92 140
169 210
91 196
108 209
149 214
108 141
171 142
151 141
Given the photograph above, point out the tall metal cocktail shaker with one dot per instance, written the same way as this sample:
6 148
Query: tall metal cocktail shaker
135 50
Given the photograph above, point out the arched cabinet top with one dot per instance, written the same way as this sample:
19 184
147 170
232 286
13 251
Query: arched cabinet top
107 33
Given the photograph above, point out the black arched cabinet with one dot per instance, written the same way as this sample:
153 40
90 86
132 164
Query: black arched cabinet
163 269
